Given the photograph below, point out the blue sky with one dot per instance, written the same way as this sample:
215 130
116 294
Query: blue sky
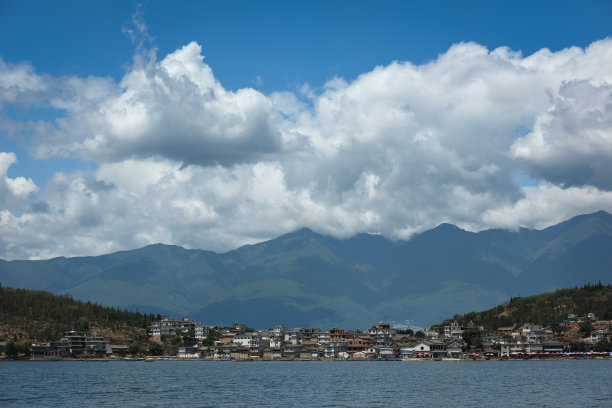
307 41
388 117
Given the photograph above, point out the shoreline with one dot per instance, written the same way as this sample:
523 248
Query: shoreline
415 360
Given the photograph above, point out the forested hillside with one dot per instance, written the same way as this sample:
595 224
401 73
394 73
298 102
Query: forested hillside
545 309
39 315
305 279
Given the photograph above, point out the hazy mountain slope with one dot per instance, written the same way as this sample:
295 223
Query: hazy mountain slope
306 279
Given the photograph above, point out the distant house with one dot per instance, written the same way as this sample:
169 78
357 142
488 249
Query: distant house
490 349
454 347
381 333
430 349
359 344
72 344
240 353
533 333
293 336
46 350
311 352
534 348
223 350
453 330
406 352
77 343
336 349
323 337
338 334
510 349
270 353
386 353
553 346
119 349
292 350
169 327
203 331
599 335
189 352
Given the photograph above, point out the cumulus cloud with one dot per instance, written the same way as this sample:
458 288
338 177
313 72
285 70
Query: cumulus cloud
548 204
571 143
174 108
14 192
398 150
19 83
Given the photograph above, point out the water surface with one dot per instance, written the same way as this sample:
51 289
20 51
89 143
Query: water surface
128 384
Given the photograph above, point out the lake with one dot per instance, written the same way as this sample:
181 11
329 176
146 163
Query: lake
573 383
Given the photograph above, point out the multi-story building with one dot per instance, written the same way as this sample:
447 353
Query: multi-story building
453 330
72 344
170 327
336 349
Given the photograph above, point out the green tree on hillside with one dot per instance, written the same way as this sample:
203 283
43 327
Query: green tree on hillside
83 325
155 349
133 349
10 349
586 327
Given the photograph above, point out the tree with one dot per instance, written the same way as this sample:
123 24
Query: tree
24 347
475 343
419 335
586 327
10 349
83 325
189 338
602 345
209 341
155 349
133 349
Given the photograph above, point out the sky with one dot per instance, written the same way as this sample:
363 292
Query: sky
215 124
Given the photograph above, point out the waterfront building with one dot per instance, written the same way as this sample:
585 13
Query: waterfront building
72 344
511 349
386 353
291 350
336 349
432 348
188 352
406 352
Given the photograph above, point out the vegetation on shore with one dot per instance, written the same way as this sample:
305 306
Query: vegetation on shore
32 314
27 315
546 309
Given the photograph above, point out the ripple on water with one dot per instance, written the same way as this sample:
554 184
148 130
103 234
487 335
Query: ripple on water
298 384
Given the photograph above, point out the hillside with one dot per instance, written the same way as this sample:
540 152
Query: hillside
39 315
545 309
310 280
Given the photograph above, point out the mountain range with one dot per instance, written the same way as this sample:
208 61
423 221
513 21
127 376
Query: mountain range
311 280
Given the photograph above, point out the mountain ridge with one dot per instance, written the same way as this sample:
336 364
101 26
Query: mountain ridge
310 279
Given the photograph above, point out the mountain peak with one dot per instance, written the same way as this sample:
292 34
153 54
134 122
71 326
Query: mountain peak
316 280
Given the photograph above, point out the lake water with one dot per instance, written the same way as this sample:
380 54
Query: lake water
582 383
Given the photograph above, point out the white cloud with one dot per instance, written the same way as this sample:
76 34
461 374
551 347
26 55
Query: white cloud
548 204
398 150
173 108
14 192
571 142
